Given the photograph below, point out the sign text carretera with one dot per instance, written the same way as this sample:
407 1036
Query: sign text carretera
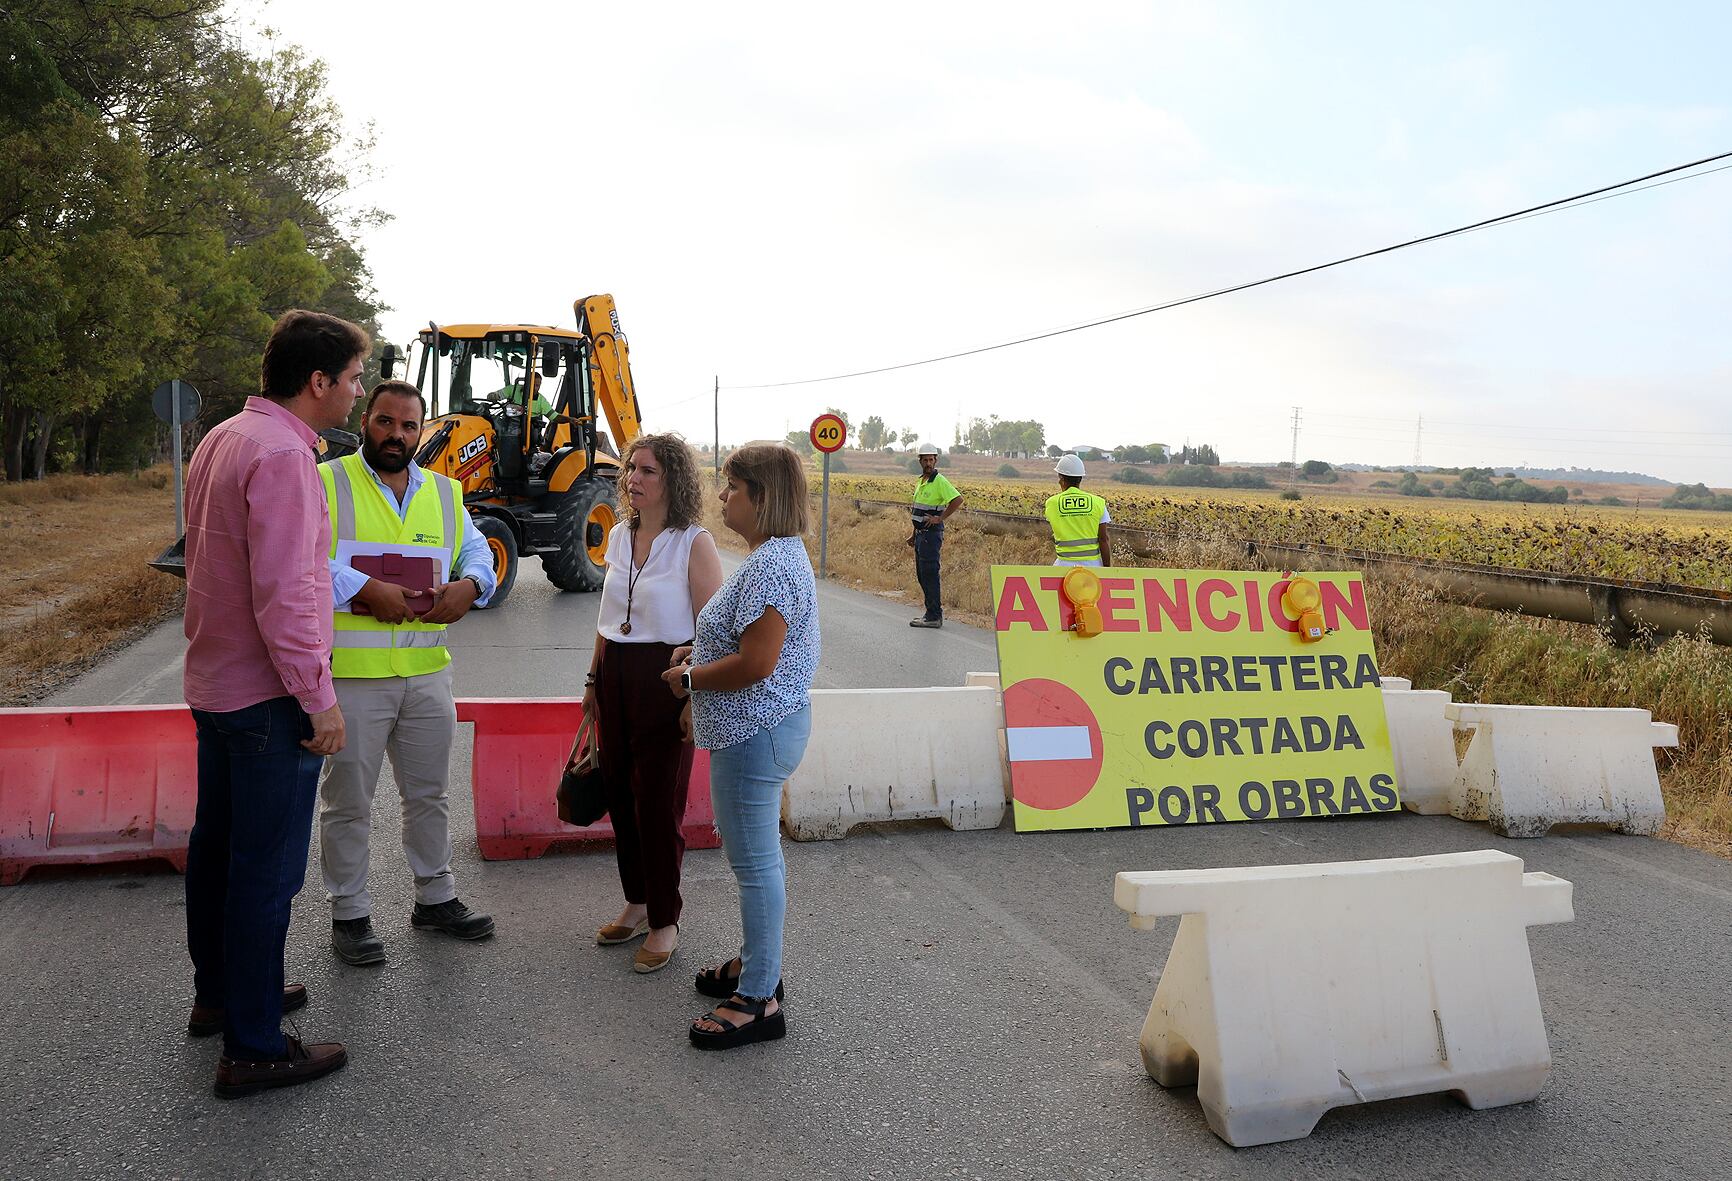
1197 703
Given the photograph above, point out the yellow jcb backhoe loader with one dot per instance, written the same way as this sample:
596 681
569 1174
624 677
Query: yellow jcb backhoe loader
537 474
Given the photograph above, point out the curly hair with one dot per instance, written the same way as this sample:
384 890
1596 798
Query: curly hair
679 464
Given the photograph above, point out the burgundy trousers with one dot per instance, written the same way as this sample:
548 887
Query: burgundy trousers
647 767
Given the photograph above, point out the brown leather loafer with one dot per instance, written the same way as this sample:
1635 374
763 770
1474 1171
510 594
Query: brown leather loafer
208 1019
302 1064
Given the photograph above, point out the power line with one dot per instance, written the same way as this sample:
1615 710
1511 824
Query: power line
1584 198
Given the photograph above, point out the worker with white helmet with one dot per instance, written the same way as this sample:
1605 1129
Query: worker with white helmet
1079 519
935 498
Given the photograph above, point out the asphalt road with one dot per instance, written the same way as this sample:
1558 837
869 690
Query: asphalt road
960 1004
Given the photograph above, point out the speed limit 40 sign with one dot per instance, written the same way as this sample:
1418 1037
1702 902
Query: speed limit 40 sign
829 432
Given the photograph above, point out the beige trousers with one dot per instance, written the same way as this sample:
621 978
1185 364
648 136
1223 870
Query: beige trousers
413 720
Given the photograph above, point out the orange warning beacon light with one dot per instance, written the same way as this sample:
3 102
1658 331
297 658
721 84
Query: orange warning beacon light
1303 602
1082 589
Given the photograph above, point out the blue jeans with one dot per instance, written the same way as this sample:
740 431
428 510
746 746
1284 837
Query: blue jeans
927 543
245 862
746 791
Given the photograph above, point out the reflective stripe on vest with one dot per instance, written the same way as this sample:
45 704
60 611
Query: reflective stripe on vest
1075 517
360 512
391 637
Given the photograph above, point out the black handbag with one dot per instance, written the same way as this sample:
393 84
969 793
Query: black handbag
582 796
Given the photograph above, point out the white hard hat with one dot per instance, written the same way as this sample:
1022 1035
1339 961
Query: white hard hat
927 449
1069 465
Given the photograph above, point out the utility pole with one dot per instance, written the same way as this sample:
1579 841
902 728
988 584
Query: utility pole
1293 465
717 395
1418 433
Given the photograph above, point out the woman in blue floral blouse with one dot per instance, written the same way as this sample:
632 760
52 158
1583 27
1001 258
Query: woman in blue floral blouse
749 674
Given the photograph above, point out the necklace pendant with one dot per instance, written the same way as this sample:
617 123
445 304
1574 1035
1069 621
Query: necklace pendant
625 628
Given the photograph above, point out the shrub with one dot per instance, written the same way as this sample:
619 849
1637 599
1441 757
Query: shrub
1194 476
1409 485
1007 471
1131 475
1291 494
1697 496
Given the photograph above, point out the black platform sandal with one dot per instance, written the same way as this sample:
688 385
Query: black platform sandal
761 1028
715 981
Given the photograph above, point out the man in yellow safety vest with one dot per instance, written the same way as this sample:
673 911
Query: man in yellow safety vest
406 561
935 500
1079 519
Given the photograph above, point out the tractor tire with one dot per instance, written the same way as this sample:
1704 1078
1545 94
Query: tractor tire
586 516
502 547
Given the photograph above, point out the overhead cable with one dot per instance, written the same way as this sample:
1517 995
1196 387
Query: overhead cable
1589 197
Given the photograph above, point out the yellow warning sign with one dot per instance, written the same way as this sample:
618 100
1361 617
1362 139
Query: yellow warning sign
1200 699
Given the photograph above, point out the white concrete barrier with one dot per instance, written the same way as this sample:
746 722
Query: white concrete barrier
898 754
1529 767
1423 740
990 681
1293 989
1401 683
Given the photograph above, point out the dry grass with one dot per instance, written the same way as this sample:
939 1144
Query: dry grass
54 488
75 586
1476 655
1483 656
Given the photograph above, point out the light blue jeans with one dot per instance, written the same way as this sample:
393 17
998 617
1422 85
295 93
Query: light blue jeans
746 792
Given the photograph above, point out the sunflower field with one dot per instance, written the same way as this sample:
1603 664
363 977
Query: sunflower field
1649 545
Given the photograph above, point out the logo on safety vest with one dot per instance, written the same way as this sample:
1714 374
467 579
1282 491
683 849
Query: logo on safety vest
1054 744
1073 503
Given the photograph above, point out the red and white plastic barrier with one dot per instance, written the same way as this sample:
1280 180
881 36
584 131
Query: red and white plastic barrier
116 784
521 745
95 786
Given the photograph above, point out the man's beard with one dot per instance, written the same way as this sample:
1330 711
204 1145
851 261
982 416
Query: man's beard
389 462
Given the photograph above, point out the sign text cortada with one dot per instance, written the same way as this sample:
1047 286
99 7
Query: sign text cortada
1197 703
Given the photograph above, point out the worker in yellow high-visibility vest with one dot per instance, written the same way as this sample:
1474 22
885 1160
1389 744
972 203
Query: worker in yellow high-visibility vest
935 501
426 565
1079 519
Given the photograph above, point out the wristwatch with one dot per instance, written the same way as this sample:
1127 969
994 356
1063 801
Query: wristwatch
479 589
686 680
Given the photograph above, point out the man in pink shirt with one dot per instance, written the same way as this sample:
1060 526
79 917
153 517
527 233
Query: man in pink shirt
258 679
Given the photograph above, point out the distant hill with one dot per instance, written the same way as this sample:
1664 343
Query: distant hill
1557 475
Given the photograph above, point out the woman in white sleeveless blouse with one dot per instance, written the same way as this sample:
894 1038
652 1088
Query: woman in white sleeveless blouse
662 568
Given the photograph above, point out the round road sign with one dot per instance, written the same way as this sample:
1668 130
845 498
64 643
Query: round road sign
1055 744
829 432
162 402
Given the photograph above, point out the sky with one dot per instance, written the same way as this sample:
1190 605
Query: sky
778 192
